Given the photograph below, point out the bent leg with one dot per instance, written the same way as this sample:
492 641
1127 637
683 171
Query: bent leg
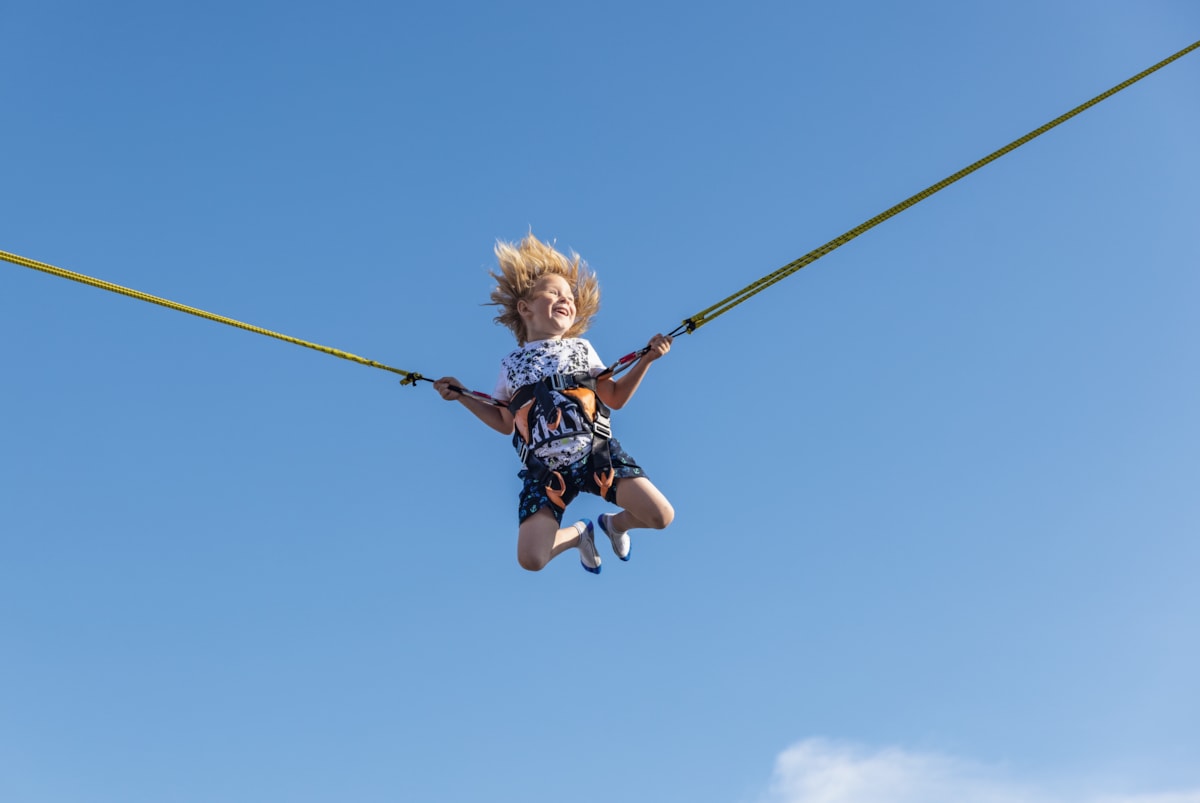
540 539
644 505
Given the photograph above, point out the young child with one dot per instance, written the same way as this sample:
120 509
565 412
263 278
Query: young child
557 396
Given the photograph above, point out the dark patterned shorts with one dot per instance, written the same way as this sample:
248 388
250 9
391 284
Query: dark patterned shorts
578 477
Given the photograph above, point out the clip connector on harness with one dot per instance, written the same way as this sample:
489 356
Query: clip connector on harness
601 426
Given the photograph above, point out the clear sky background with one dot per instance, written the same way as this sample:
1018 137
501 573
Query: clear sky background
937 509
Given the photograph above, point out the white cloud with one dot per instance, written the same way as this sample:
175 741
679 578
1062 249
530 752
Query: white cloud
822 771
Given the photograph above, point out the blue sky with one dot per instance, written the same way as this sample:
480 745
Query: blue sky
936 509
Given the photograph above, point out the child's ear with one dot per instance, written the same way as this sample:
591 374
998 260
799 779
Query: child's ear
522 307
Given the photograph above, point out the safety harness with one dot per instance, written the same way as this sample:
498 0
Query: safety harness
539 419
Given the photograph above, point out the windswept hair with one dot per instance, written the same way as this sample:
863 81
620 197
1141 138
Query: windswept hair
522 264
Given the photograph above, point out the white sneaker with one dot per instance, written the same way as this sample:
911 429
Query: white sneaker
620 540
589 558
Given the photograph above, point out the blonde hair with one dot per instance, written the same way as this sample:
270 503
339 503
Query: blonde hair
522 264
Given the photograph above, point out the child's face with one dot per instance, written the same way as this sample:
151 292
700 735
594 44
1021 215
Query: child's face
548 310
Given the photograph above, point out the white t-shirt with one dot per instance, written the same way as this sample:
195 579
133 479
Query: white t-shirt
537 360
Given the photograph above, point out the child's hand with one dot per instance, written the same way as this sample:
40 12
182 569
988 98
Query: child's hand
658 346
446 387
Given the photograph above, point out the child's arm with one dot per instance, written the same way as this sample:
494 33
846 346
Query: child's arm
498 418
616 392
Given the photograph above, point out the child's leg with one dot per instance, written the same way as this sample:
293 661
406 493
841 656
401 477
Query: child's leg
540 539
644 505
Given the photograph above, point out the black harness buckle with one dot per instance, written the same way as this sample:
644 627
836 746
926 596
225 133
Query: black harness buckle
601 426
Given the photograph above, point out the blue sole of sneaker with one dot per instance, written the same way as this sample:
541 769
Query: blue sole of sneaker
591 538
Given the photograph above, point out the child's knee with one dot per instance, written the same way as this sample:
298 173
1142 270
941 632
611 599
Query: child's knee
531 560
661 516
